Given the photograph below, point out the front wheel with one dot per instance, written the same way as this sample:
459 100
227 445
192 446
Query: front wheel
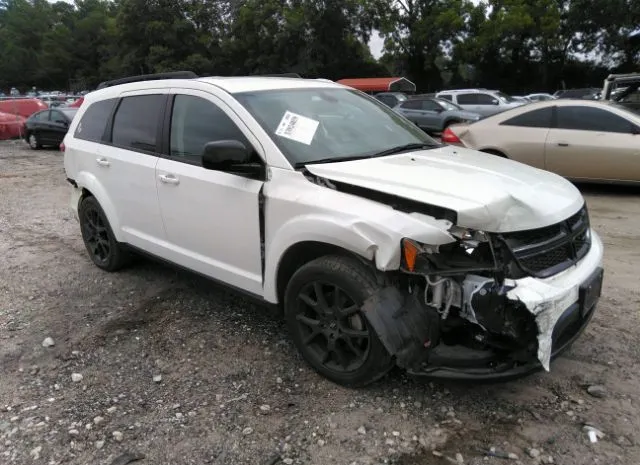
322 309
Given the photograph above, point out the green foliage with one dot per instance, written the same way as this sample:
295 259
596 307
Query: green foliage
516 45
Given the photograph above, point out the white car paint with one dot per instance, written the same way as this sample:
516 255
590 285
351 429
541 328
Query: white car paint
488 193
208 221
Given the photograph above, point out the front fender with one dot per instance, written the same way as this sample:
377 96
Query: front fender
354 234
89 182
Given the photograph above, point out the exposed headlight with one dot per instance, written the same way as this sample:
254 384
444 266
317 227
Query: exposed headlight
471 251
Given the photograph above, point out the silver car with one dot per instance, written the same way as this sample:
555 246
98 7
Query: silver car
482 101
434 114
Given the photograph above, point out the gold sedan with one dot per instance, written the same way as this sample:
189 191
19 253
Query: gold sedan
580 139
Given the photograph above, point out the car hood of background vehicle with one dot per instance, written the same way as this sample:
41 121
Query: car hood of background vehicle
488 192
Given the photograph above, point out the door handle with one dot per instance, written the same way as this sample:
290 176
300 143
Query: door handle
563 144
103 162
169 179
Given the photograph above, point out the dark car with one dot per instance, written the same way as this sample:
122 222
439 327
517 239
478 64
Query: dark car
48 127
434 114
589 93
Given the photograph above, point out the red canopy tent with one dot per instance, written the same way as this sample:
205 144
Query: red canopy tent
386 84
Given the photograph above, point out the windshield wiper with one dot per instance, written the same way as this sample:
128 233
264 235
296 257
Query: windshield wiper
300 164
406 148
391 151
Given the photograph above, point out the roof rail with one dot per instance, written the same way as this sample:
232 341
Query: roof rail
149 77
286 75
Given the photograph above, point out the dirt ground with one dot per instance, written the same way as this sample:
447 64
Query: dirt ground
180 370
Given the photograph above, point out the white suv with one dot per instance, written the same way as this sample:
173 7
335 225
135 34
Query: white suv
482 101
381 246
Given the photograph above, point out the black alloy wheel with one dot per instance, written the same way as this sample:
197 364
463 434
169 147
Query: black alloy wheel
96 235
323 303
105 251
332 328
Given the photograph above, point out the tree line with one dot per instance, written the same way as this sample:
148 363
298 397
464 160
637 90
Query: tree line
514 45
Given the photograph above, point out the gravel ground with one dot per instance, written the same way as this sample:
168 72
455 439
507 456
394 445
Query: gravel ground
159 362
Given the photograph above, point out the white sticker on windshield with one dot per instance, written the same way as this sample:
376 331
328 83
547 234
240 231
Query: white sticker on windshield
297 127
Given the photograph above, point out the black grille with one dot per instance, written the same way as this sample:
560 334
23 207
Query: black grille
546 251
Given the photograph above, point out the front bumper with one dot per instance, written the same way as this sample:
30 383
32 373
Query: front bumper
560 314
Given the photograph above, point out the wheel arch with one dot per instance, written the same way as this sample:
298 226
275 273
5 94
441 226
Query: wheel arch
91 187
301 253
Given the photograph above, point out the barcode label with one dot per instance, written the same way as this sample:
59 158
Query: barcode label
297 127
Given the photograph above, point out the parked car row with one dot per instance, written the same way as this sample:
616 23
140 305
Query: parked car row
15 112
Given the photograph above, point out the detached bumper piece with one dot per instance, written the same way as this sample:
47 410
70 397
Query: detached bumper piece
428 347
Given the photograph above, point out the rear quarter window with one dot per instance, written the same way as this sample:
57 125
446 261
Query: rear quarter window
94 121
540 118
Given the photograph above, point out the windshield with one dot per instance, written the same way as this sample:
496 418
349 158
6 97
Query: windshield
505 97
333 124
447 105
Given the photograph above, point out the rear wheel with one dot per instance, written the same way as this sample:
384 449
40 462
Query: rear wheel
34 141
105 251
322 309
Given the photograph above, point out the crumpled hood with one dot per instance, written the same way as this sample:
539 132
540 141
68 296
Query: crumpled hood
488 192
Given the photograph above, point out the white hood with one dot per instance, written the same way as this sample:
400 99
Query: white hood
488 192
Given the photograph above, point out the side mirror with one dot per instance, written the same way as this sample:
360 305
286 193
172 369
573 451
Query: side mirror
495 102
223 154
62 122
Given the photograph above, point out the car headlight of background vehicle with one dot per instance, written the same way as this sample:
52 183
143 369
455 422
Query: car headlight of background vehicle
471 251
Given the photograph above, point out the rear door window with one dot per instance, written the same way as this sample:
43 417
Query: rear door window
42 116
540 118
591 119
94 120
135 125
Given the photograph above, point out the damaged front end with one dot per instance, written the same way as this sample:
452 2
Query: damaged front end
470 308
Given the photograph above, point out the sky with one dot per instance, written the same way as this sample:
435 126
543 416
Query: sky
375 44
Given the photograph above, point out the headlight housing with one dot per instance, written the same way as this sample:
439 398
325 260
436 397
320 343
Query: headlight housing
470 252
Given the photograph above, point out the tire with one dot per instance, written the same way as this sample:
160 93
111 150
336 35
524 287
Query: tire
103 248
34 141
341 346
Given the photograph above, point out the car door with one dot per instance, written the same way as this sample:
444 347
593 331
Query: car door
469 102
593 143
211 218
58 125
412 110
523 137
125 165
431 115
487 104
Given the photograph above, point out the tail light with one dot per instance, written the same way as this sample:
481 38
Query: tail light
450 137
62 147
